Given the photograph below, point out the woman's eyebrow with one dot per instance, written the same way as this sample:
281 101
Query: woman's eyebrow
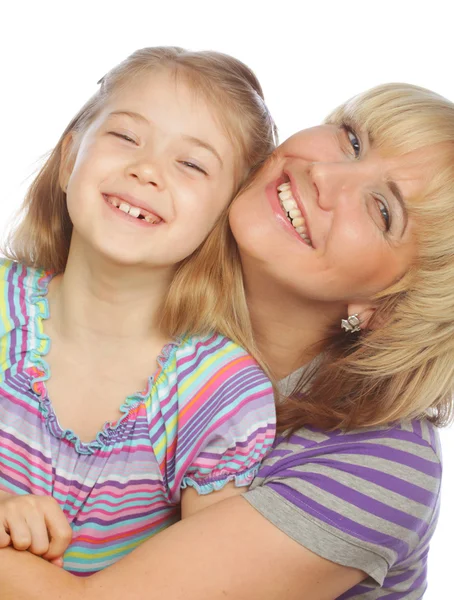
395 191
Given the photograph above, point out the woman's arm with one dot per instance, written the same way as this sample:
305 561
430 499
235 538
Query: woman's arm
225 551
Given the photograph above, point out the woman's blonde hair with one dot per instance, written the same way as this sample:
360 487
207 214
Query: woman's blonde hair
403 365
43 235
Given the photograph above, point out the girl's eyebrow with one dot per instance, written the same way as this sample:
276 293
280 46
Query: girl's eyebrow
188 138
198 142
128 113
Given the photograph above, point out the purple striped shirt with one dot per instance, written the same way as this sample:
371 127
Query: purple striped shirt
367 499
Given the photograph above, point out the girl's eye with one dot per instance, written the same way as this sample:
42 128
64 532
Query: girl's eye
354 141
123 136
384 212
191 165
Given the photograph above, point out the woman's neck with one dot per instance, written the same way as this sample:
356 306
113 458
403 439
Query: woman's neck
95 300
289 332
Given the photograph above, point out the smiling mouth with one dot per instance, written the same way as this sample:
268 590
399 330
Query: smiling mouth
294 216
133 211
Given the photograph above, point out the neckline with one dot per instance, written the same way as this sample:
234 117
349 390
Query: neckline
41 373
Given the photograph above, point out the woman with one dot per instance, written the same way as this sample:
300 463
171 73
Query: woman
347 247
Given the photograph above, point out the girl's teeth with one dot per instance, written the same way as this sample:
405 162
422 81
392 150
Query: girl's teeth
134 211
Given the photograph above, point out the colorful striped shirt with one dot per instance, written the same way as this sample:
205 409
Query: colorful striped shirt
207 418
367 499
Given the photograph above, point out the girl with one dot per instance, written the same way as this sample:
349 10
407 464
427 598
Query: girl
135 184
346 503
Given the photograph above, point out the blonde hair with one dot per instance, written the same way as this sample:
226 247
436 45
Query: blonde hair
43 236
403 366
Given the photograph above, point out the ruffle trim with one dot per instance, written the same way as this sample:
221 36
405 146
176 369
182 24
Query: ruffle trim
209 485
40 373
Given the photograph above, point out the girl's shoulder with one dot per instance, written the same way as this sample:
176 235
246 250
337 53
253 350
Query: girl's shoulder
199 358
23 293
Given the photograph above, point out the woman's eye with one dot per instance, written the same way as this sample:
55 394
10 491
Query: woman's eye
123 136
384 212
191 165
354 141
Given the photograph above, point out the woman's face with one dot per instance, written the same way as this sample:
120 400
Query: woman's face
327 216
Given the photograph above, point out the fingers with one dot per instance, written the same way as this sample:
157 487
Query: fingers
58 562
36 524
5 538
60 534
19 532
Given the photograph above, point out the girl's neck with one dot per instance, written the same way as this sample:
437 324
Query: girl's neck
95 300
289 332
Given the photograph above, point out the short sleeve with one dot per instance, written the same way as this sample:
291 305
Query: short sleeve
226 419
366 499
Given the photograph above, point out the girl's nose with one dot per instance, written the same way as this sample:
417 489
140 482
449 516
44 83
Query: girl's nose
146 171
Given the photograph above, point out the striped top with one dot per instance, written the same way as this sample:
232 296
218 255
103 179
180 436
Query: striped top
206 418
367 499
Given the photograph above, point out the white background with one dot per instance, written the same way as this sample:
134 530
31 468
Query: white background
309 56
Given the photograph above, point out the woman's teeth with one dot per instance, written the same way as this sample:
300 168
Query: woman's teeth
133 211
294 215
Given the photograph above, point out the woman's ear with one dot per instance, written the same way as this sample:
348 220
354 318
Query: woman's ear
68 156
364 311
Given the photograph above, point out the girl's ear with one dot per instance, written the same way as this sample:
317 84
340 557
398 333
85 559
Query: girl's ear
68 156
364 311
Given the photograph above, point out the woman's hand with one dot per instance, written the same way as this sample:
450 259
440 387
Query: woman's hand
36 524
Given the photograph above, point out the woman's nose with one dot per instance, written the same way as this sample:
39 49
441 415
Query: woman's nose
333 181
146 171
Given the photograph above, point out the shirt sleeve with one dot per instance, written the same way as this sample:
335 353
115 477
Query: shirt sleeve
366 499
226 418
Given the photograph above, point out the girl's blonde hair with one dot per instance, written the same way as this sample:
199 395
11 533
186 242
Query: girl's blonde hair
43 236
403 366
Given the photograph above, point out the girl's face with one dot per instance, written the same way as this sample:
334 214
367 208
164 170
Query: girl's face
150 175
327 216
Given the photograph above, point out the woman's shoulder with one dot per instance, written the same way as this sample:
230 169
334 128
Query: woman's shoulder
22 294
370 494
412 444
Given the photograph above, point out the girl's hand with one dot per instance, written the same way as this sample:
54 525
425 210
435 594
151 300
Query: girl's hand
36 524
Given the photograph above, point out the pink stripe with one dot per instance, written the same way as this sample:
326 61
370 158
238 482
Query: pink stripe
215 383
214 426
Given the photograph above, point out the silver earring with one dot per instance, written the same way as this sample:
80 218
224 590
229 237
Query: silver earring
352 324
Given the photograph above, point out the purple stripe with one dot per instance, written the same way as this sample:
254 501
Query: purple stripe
393 433
23 486
387 481
362 501
87 520
225 395
378 450
197 357
341 522
355 592
31 451
417 428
